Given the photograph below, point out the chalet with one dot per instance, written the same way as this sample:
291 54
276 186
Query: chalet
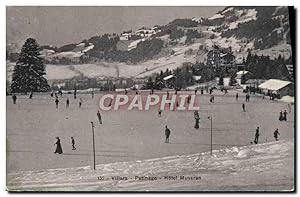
240 75
277 87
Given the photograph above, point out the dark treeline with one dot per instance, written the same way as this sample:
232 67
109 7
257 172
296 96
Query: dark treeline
260 67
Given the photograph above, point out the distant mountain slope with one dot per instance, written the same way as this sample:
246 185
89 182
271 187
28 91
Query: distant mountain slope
262 30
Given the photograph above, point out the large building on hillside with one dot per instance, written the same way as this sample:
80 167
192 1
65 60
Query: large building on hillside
219 57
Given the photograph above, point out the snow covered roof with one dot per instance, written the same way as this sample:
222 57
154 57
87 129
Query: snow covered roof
242 72
168 77
274 84
196 77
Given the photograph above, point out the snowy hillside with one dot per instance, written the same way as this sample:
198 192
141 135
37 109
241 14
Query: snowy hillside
262 30
263 167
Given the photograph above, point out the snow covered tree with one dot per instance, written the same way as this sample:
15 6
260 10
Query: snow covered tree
29 70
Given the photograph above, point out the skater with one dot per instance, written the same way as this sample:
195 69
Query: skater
99 117
167 94
92 94
152 91
126 91
67 103
284 115
256 136
276 133
247 97
188 99
14 98
159 113
75 93
56 102
202 91
175 92
280 116
73 143
197 123
244 107
136 92
30 95
167 133
196 91
289 108
212 99
237 96
80 102
58 146
51 94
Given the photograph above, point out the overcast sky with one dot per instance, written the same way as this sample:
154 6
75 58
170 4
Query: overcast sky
63 25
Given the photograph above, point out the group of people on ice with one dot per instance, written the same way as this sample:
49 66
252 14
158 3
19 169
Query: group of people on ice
59 149
257 134
283 116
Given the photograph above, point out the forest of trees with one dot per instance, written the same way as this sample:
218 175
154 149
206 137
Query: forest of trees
261 67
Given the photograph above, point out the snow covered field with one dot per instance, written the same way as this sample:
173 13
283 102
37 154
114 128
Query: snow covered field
131 137
264 167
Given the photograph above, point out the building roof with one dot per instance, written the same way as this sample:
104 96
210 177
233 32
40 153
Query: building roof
274 84
196 77
242 72
168 77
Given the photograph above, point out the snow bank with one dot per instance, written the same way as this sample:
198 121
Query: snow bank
243 169
288 99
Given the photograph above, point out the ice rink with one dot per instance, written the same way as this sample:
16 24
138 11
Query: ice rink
33 124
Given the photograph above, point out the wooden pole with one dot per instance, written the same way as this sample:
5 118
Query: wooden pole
211 135
210 118
94 145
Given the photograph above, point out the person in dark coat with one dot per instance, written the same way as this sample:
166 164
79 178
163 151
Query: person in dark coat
51 94
284 115
14 98
159 113
276 133
167 134
126 91
202 91
99 117
237 96
30 95
280 116
247 97
256 135
56 102
80 102
167 94
196 91
75 93
244 107
73 143
188 99
58 146
67 103
197 122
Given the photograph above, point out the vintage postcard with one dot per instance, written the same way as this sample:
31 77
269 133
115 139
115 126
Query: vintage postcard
147 99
